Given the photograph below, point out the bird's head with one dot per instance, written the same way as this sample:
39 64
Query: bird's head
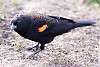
19 23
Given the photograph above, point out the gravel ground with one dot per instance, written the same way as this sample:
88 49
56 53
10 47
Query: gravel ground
78 48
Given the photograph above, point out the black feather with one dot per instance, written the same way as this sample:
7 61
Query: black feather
51 26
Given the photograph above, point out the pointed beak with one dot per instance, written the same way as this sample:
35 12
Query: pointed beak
13 27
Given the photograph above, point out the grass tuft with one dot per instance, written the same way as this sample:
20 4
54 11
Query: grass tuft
93 2
4 4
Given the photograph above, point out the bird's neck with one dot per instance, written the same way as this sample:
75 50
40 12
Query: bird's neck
22 33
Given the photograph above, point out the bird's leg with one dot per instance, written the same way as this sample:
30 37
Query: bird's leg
32 56
33 48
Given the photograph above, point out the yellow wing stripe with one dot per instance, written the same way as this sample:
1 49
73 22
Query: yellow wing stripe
44 27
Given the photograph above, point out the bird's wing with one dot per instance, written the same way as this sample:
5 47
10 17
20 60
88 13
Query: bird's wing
50 24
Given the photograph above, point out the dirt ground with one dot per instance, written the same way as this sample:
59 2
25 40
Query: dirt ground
78 48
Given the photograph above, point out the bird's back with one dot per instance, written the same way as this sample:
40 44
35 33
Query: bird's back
55 25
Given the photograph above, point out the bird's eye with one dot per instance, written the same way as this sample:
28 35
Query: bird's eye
16 23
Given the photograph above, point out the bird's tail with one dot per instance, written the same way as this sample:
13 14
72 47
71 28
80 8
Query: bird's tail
84 23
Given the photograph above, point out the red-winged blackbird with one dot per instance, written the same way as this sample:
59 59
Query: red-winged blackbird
43 28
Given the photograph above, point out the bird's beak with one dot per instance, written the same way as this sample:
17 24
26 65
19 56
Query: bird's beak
13 27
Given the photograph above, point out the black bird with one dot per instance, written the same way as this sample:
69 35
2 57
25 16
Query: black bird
43 28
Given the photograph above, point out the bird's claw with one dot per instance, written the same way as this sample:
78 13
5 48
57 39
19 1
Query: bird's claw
29 48
29 57
33 48
32 57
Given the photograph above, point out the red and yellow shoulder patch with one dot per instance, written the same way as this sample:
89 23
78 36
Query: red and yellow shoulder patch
44 27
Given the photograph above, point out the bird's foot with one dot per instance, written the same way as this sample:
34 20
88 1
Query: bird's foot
32 56
33 48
